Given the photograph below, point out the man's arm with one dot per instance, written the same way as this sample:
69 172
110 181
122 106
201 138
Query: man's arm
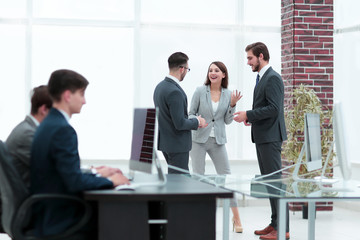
65 152
274 94
176 106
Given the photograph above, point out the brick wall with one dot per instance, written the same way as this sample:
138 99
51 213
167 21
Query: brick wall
307 46
307 53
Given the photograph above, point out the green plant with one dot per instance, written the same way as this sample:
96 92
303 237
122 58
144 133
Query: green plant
304 100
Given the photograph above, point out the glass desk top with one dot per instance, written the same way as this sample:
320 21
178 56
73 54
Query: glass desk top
284 187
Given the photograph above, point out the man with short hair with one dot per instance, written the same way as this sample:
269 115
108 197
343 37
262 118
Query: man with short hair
267 124
55 162
174 125
20 139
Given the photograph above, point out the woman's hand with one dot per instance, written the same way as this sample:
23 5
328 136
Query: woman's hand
235 97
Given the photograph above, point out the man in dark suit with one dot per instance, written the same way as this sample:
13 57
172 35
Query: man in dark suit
55 162
174 125
267 123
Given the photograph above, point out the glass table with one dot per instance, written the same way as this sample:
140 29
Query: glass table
286 189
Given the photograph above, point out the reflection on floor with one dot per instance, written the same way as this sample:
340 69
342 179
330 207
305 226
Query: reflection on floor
341 223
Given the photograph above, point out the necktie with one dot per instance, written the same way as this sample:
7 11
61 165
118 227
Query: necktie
257 80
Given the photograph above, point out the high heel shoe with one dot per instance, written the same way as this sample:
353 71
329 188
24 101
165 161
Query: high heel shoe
236 228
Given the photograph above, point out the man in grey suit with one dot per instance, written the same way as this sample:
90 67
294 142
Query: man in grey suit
20 139
267 123
174 138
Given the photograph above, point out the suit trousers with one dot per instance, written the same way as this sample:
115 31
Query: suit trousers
216 152
179 160
269 159
218 155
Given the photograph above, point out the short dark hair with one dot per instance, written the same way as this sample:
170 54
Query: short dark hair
222 67
64 79
177 59
258 48
40 96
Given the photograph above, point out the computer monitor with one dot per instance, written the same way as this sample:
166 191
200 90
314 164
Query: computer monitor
142 140
143 147
341 154
312 141
311 147
340 142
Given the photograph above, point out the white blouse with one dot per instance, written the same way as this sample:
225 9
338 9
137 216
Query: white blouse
214 107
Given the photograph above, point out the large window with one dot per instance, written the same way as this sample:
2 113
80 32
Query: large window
121 47
347 67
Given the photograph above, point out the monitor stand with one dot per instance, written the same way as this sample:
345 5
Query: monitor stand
147 179
295 174
326 184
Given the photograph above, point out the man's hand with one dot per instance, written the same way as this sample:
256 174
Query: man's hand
105 171
241 117
202 122
118 179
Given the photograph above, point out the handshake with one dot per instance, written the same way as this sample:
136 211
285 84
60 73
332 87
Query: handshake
202 122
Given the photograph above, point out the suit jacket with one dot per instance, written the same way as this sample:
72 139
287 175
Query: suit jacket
267 114
55 168
201 105
174 125
19 145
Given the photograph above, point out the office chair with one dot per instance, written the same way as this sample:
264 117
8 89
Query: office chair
17 204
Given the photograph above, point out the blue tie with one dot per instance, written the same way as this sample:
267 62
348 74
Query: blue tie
257 80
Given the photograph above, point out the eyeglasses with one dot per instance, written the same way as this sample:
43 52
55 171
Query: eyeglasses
188 69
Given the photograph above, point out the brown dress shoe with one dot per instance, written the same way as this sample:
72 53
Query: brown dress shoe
264 231
273 236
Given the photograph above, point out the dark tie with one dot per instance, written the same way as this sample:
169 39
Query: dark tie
257 80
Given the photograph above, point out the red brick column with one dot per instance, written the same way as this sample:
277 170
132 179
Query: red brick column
307 53
307 46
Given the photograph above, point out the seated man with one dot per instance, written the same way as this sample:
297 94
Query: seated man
20 139
55 162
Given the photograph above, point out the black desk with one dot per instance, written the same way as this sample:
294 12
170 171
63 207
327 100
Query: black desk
183 209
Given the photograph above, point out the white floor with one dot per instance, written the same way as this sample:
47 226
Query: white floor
339 224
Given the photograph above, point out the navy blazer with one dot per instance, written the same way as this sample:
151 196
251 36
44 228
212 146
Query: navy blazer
174 123
267 114
55 168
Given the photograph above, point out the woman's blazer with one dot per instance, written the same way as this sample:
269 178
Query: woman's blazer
201 105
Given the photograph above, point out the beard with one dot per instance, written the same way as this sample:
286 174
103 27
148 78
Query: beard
256 67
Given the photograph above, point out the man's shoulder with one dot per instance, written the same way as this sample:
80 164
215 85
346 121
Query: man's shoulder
271 72
21 129
166 86
52 123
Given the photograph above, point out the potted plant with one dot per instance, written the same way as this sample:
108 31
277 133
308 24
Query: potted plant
303 100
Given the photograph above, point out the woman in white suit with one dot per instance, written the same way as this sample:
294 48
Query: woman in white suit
214 102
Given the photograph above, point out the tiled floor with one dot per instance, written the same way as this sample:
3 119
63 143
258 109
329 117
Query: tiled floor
339 224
